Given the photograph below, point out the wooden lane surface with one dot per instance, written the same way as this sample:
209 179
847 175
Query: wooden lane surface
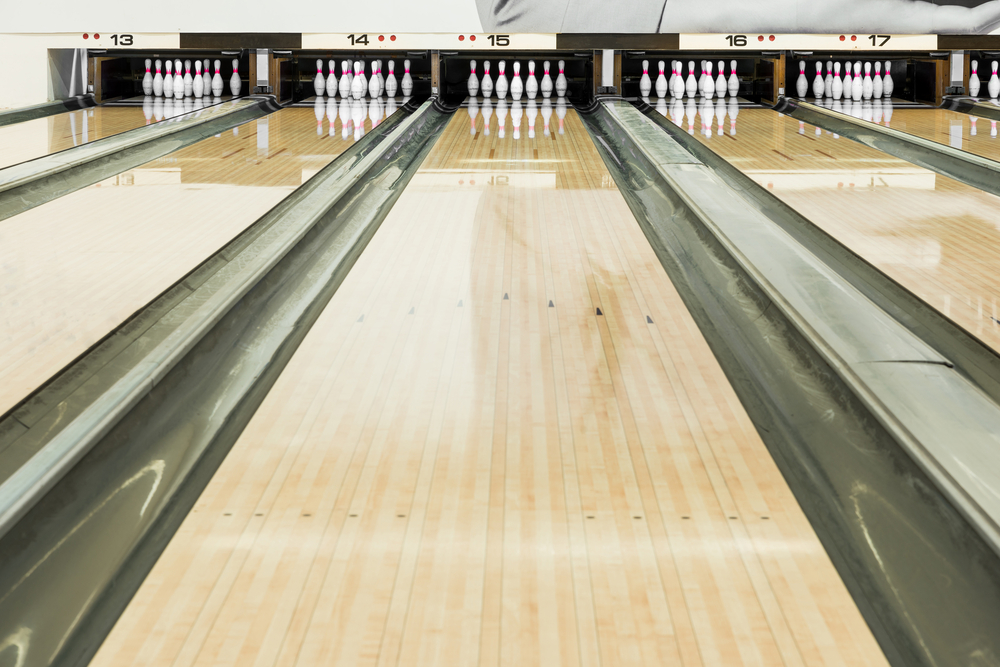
75 268
42 136
950 128
465 464
937 237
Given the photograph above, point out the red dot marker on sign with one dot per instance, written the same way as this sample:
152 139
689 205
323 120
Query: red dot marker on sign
392 38
86 36
854 38
96 36
461 38
472 38
760 38
842 38
771 38
381 38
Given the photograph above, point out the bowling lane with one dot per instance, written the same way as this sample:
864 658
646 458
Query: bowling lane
74 269
505 441
42 136
951 128
937 237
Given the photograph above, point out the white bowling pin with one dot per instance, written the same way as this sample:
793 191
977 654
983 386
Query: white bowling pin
531 83
994 85
319 82
198 84
866 85
516 85
828 80
734 81
188 79
877 83
168 79
561 86
691 83
887 81
147 81
645 84
709 86
487 83
473 83
857 84
701 77
673 75
359 73
178 80
331 80
374 84
357 92
720 80
974 80
390 81
206 75
677 89
381 82
217 84
406 85
235 82
801 83
818 84
546 85
346 79
158 80
661 82
836 84
502 81
848 84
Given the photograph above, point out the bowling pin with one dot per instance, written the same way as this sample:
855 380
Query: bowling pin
319 83
206 75
866 85
531 83
188 79
487 83
974 80
818 85
677 90
217 84
516 86
502 81
390 81
828 80
673 75
994 85
645 85
158 80
235 83
331 80
178 80
374 84
381 82
887 81
147 81
661 82
473 83
720 80
734 81
691 84
359 74
198 83
357 92
836 84
701 77
848 84
877 83
561 86
406 85
546 85
857 84
801 83
346 79
709 85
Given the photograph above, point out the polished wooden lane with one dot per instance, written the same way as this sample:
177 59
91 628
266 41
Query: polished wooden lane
937 237
35 138
951 128
75 268
465 463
